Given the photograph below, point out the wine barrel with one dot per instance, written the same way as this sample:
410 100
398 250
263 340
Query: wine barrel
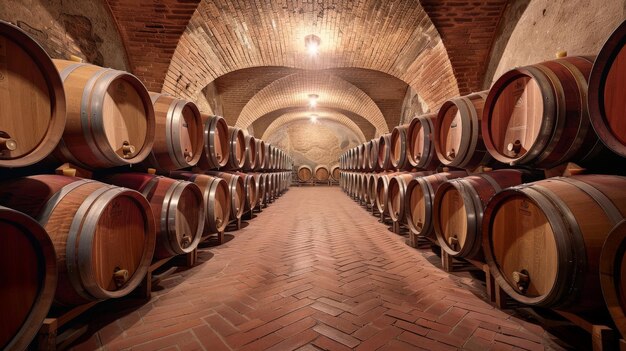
398 147
420 146
269 184
458 209
458 140
613 275
260 156
537 115
372 190
177 207
335 172
268 156
606 100
543 240
250 188
419 201
179 139
396 194
216 199
110 118
215 138
305 173
32 102
236 149
29 278
237 192
321 172
259 179
103 235
250 153
384 152
373 157
382 190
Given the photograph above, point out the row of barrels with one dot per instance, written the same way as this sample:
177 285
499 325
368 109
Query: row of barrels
320 173
67 241
542 115
555 243
56 111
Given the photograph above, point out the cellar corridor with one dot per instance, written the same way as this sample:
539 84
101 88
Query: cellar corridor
312 271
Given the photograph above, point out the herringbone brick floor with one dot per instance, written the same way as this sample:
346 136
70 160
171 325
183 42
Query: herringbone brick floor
314 272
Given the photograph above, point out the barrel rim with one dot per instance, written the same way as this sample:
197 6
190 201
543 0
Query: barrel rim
612 253
168 216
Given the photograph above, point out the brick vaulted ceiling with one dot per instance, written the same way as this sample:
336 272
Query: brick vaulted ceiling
439 48
298 116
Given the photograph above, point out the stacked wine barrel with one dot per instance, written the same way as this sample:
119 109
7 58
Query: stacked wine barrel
318 174
554 242
91 238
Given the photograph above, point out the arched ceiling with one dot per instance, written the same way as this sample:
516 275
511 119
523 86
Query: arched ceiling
322 117
293 91
438 47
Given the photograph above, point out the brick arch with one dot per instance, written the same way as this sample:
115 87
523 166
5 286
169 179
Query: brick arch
304 115
396 38
293 91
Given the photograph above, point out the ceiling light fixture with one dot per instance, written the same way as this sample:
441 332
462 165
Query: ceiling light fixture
313 100
312 44
313 118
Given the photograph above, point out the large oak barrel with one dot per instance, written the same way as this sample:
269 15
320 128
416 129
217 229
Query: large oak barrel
537 115
250 188
110 118
250 154
179 139
29 278
237 192
382 190
458 139
458 209
398 147
372 191
259 179
335 172
607 92
373 156
215 140
613 275
103 235
420 146
396 194
384 152
216 199
419 201
321 172
177 207
32 100
236 149
543 240
305 173
269 185
360 157
260 155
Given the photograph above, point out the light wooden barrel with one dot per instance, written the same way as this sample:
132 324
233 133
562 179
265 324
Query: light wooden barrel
216 198
110 118
458 139
321 172
537 115
607 87
384 152
372 184
179 139
397 193
251 155
260 154
420 146
236 149
268 156
360 157
32 100
250 188
543 240
29 278
269 184
335 172
177 207
458 209
259 179
382 190
373 156
419 201
305 173
237 192
215 139
398 147
613 275
104 236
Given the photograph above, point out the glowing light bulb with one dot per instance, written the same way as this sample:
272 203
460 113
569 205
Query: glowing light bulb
313 100
312 44
313 118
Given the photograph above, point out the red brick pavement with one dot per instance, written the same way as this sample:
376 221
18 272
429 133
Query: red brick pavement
314 272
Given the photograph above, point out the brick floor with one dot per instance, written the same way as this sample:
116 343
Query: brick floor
313 271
